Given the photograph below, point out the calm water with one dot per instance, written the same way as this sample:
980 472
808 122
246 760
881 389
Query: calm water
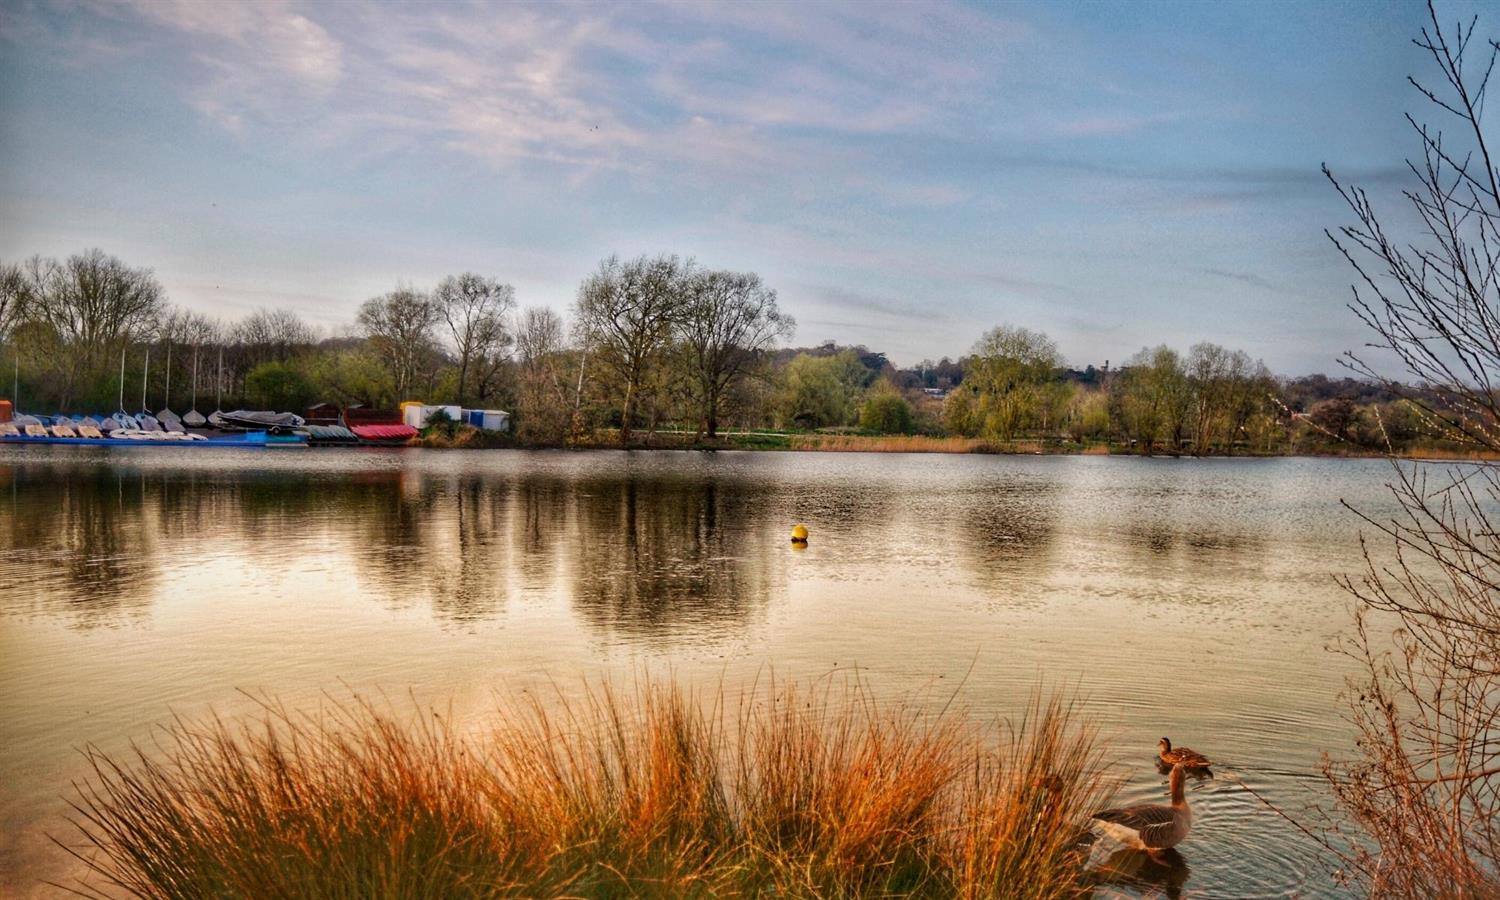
1191 598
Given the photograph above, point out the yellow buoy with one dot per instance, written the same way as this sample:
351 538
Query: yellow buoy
799 534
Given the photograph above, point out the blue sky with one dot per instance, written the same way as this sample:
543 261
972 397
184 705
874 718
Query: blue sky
906 175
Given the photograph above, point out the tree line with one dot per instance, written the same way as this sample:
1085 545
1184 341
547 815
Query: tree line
650 344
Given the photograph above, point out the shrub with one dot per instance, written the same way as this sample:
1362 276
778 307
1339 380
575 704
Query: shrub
802 792
885 411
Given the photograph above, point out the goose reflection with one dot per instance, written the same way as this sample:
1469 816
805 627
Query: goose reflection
1166 871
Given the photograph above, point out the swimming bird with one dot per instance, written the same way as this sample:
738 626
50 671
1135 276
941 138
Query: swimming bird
1184 756
1151 826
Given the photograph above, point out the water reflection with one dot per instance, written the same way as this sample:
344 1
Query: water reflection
90 533
1164 873
457 571
641 552
1009 529
643 557
653 556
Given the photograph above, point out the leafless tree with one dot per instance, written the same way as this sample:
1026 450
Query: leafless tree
272 335
13 293
399 326
90 305
544 407
728 321
1424 788
625 315
476 309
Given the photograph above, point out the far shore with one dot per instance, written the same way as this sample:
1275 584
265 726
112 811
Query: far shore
470 439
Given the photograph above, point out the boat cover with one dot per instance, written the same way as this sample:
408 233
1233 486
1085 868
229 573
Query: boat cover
384 432
255 420
330 434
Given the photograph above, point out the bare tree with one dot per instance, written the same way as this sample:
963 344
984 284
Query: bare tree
1424 788
399 326
1218 376
475 310
728 321
625 315
273 335
13 293
544 409
90 305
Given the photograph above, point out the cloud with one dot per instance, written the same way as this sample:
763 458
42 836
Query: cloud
1243 277
845 298
267 38
715 87
1114 124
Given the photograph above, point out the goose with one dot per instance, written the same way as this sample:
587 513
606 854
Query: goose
1150 826
1173 756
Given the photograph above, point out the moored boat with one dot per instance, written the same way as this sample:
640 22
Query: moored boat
135 437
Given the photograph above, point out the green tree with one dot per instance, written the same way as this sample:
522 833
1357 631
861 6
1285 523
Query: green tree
1153 398
349 375
277 386
1087 415
1010 375
885 411
822 391
958 413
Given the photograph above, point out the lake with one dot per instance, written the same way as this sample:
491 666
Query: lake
1187 598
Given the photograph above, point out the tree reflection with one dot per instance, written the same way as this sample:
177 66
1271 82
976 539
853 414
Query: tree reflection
1006 530
646 557
78 543
658 559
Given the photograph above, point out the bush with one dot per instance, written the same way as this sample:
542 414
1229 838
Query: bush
886 412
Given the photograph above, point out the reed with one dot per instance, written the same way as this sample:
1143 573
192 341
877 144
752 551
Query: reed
802 791
894 443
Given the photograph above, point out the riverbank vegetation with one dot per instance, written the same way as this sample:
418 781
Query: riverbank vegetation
661 792
657 346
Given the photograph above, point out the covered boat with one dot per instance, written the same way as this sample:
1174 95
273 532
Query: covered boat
134 437
384 433
256 420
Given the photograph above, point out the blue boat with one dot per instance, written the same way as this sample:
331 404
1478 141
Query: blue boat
244 439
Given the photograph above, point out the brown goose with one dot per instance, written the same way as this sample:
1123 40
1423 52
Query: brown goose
1180 756
1150 826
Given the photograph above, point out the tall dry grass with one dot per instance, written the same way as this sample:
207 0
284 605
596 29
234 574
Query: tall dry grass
793 791
892 443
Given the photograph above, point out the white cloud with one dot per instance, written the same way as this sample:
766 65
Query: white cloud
267 38
715 87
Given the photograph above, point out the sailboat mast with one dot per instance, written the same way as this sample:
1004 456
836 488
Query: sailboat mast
219 384
145 373
195 376
122 378
166 400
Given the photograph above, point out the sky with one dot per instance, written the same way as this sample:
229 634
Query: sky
905 175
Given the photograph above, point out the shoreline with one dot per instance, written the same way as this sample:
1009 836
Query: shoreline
920 444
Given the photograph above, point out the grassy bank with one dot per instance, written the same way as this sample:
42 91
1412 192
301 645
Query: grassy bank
811 793
903 443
